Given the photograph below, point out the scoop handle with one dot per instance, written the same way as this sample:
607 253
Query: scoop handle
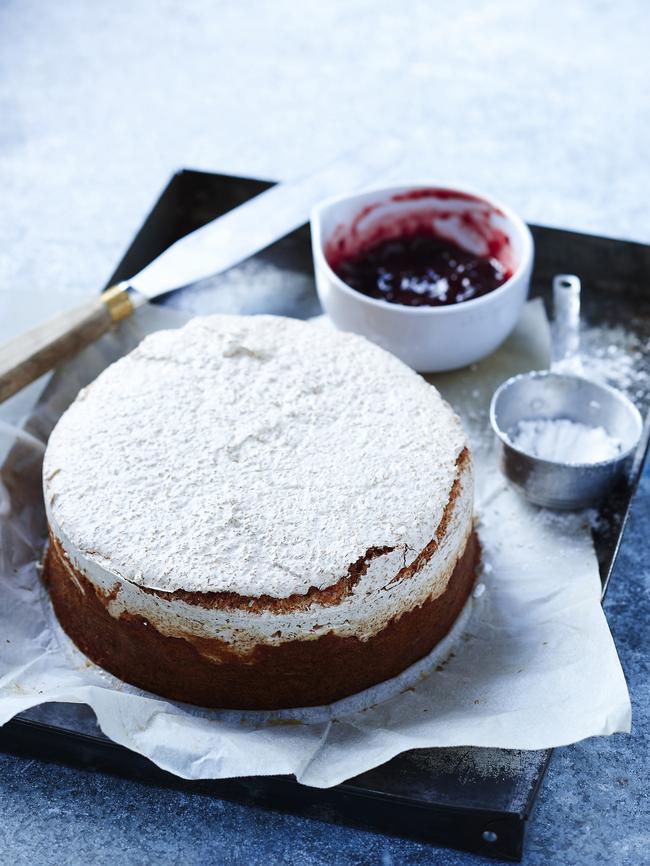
25 358
566 324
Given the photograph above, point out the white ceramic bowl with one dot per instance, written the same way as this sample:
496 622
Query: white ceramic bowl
429 339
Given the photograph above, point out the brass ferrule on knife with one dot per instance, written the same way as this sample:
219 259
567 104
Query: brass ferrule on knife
118 302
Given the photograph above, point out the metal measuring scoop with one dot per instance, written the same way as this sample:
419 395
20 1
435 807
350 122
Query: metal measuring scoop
563 393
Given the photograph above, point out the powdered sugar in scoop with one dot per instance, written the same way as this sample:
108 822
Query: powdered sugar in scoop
564 441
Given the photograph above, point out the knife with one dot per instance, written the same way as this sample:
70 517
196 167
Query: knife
212 249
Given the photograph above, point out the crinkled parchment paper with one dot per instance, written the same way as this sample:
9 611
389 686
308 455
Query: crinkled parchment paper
531 664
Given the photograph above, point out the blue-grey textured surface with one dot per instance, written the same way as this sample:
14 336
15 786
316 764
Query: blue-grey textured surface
543 104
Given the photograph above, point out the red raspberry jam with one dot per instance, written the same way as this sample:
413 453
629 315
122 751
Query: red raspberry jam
420 270
412 257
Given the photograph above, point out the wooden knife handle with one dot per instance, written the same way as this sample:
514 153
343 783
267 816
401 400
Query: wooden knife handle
25 358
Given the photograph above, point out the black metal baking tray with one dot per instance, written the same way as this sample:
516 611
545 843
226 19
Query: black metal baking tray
477 800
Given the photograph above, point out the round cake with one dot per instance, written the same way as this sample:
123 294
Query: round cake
258 513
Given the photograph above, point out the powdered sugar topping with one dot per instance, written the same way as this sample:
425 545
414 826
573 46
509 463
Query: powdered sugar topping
257 455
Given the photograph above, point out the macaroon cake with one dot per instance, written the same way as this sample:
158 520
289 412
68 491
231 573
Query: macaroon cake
258 513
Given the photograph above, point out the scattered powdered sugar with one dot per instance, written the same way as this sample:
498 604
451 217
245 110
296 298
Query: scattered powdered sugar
617 357
469 764
564 441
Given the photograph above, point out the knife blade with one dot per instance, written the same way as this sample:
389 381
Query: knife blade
212 249
259 222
